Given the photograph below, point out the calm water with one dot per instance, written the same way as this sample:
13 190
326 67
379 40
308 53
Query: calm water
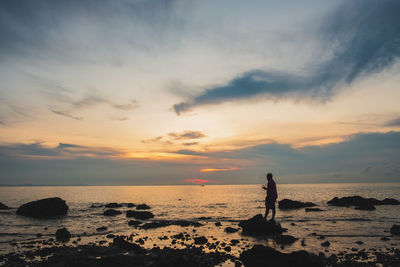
225 203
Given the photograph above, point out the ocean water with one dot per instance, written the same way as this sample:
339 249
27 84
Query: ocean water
228 204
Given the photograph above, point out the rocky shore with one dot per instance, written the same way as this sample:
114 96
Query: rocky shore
192 244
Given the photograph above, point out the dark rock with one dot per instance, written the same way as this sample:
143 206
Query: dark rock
218 224
360 201
142 207
230 230
47 207
385 238
313 209
184 223
285 239
286 204
96 206
260 255
359 242
365 207
326 244
134 223
120 242
227 249
110 236
113 205
395 230
130 205
111 212
100 229
4 207
200 240
156 224
258 225
63 234
234 241
141 215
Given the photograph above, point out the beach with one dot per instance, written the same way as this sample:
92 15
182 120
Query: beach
201 223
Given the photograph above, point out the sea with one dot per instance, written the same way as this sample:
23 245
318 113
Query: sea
343 227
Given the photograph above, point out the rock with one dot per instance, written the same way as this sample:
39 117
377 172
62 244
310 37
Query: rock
134 223
287 204
156 224
96 206
234 241
260 255
326 244
120 242
313 209
395 230
360 201
258 225
4 207
359 242
218 224
130 205
200 240
227 249
111 212
385 238
142 207
113 205
63 234
42 208
110 236
141 215
365 207
102 228
230 230
285 239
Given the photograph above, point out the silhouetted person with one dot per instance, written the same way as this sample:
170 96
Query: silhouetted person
271 197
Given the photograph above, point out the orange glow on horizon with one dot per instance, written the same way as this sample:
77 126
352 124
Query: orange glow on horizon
197 181
218 170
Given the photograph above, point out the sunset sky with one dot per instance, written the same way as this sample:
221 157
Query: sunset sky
176 92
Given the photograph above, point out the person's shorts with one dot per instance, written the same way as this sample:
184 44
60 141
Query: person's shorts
269 203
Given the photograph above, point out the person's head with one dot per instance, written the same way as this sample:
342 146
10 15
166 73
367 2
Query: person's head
269 176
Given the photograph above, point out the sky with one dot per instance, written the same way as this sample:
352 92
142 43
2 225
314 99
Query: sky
136 92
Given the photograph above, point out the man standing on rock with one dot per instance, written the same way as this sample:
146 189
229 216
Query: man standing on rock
271 197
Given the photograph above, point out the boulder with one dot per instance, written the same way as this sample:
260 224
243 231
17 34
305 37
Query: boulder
260 255
313 209
120 242
258 225
200 240
218 224
134 223
111 212
142 207
230 230
287 204
101 229
326 244
47 207
4 207
113 205
285 239
360 201
141 215
395 230
365 207
63 234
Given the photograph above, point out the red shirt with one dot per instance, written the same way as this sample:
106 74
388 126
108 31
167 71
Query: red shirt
271 190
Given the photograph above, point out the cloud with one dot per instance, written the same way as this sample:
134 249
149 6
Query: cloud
37 149
173 137
219 169
65 114
187 135
394 122
362 37
190 143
